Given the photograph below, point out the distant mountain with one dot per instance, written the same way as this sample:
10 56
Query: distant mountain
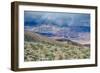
52 28
80 28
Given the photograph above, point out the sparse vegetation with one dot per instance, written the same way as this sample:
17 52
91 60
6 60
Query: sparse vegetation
42 51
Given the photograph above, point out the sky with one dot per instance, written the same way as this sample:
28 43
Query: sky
57 19
61 19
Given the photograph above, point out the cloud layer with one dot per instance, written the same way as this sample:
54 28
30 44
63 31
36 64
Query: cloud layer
59 19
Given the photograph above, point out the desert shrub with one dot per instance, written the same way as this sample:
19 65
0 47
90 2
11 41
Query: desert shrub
42 51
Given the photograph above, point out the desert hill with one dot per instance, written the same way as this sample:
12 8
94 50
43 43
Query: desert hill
32 36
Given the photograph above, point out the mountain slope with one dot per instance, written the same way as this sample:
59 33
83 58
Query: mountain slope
32 36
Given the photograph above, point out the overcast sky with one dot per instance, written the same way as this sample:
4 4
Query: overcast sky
59 19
